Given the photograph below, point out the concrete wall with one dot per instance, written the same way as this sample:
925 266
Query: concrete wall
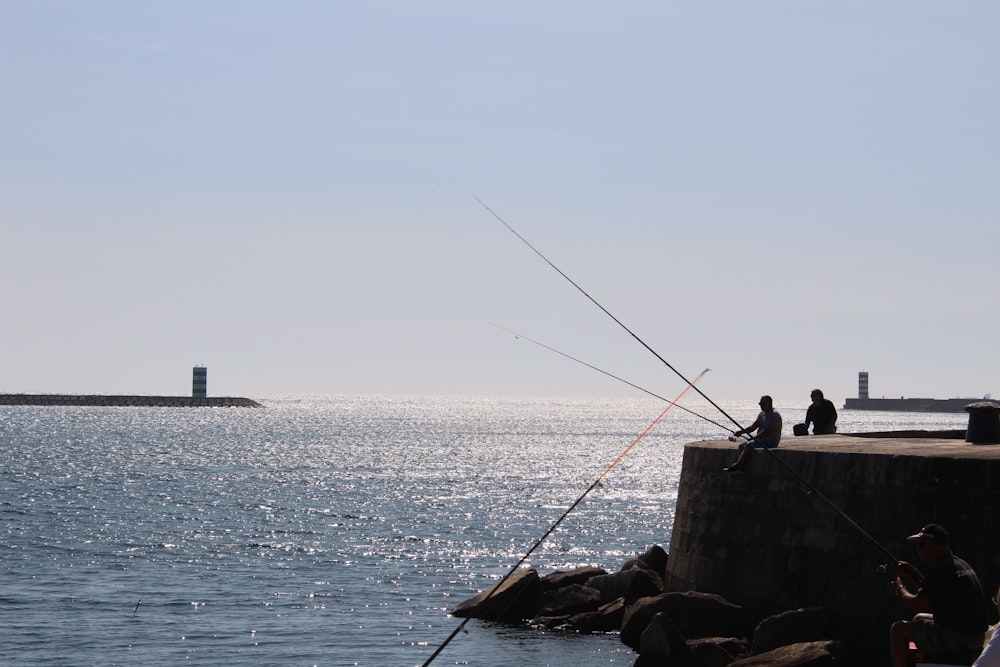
763 541
909 404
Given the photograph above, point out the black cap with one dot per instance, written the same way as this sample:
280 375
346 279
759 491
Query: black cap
932 532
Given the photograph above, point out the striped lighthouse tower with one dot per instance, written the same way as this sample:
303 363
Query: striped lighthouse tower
199 384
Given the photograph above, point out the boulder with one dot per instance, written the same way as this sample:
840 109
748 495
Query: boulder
660 644
578 576
718 651
568 600
694 615
637 582
806 654
655 557
607 618
705 615
510 601
642 566
791 627
638 615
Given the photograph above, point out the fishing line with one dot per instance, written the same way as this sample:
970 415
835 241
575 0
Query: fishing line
496 588
603 309
750 439
615 377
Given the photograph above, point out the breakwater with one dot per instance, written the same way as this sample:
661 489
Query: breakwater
766 541
909 404
93 400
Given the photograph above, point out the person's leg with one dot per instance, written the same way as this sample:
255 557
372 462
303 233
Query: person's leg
899 644
745 451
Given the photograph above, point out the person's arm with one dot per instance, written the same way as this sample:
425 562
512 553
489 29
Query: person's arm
747 429
916 603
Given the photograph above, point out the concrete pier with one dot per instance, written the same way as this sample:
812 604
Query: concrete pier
909 404
93 400
763 540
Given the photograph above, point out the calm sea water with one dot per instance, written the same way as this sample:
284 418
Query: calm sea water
325 530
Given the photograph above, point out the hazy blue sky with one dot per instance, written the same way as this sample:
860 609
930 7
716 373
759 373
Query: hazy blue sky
786 192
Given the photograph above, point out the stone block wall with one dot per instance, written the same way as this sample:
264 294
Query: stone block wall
769 542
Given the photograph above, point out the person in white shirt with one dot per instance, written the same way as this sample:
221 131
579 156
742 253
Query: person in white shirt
768 426
990 657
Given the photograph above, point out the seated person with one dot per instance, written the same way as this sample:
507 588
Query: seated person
768 425
822 414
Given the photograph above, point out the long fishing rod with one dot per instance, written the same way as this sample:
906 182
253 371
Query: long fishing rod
774 457
496 588
749 438
615 377
603 309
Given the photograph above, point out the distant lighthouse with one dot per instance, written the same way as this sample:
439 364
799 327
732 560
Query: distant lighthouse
863 385
199 385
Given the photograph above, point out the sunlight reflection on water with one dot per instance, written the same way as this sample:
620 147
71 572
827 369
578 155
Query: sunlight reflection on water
323 530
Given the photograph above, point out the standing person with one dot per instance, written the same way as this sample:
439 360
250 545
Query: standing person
990 657
822 414
768 425
950 611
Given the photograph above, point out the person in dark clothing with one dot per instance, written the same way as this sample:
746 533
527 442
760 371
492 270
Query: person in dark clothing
822 414
949 603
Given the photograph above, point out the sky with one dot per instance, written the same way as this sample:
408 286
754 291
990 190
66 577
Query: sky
289 193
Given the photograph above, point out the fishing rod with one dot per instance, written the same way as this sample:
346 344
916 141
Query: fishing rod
603 309
750 439
496 588
615 377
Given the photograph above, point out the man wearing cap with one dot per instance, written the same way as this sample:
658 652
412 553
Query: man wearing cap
768 425
950 611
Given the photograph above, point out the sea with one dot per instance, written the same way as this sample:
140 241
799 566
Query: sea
330 530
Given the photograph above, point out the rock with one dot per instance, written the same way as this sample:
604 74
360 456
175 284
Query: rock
632 584
655 557
791 627
638 616
514 600
569 600
811 654
643 566
705 615
718 651
694 615
578 576
660 644
607 618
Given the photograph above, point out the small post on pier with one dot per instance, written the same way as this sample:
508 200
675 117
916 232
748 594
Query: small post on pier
984 423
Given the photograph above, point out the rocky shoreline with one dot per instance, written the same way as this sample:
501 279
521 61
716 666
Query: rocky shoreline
679 629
